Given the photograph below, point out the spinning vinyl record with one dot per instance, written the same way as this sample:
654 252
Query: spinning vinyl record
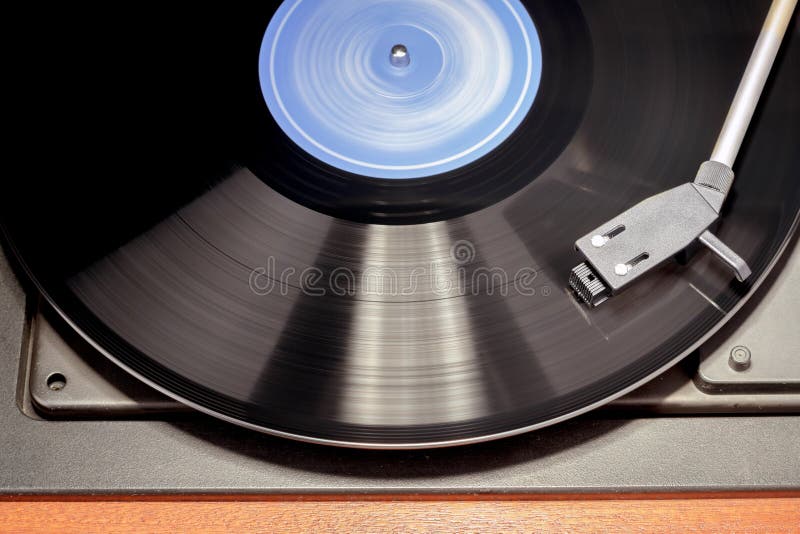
353 222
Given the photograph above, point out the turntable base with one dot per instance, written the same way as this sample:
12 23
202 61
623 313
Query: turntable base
598 453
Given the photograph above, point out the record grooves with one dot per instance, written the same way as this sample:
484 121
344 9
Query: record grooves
187 237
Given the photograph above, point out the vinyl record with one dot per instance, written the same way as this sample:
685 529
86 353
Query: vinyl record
353 222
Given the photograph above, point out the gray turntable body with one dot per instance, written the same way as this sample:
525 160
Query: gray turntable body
703 425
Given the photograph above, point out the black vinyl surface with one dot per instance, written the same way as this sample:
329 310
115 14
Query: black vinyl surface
157 187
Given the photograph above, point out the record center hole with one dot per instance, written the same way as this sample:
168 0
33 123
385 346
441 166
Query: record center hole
56 381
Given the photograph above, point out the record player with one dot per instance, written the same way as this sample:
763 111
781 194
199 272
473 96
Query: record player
291 247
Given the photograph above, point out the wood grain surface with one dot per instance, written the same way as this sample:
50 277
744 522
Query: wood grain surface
650 513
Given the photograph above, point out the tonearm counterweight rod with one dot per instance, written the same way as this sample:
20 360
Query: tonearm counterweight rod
641 238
